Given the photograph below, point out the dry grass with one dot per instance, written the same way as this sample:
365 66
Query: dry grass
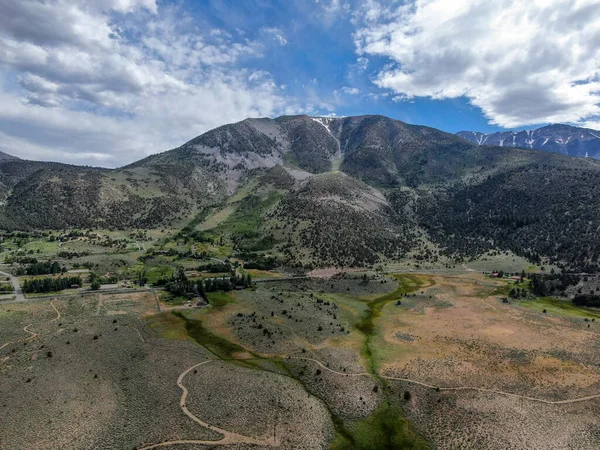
319 377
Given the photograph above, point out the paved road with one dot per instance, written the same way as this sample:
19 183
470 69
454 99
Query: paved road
15 283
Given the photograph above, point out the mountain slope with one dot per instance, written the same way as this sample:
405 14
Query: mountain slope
321 191
565 139
533 211
231 151
334 220
50 195
7 157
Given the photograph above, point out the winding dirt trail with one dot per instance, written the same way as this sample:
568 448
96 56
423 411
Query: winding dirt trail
457 388
138 333
33 335
57 311
494 391
229 437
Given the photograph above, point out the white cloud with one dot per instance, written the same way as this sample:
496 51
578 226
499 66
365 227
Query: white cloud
330 11
347 90
122 5
277 34
110 81
156 123
362 63
334 6
521 62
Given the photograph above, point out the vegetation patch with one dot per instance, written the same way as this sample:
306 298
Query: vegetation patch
386 429
169 326
560 307
219 346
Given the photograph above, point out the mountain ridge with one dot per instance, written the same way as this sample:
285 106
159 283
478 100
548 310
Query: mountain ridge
319 191
7 157
559 138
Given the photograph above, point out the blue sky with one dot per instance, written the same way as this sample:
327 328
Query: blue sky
320 55
106 82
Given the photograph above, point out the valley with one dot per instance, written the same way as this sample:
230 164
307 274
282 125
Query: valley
408 361
302 283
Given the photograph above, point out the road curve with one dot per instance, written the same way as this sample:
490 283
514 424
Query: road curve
16 286
229 437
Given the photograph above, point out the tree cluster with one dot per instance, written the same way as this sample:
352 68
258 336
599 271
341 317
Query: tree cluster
180 286
42 268
48 284
552 284
590 300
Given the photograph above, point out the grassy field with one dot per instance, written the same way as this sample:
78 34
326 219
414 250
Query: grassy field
261 274
340 353
555 306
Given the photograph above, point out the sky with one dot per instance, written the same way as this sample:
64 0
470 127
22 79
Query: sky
108 82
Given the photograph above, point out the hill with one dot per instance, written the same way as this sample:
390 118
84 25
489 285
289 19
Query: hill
316 192
7 157
41 195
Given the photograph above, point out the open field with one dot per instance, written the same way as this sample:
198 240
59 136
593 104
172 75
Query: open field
402 361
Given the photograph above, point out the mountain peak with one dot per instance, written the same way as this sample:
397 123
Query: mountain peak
556 137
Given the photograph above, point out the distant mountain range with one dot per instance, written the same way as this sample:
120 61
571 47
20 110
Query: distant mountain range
318 192
565 139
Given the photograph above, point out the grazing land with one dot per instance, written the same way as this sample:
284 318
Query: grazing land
360 360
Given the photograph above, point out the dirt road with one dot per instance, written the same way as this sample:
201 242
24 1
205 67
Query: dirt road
16 286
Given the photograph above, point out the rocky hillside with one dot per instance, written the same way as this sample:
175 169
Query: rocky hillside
7 157
50 195
565 139
317 192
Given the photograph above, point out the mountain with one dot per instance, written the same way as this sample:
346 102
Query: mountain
7 157
565 139
320 191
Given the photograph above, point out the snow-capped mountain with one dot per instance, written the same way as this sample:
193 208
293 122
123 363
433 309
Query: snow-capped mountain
565 139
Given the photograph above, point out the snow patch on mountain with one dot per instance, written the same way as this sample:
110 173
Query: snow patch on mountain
558 138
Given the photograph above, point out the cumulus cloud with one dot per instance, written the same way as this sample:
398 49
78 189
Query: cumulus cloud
110 81
520 62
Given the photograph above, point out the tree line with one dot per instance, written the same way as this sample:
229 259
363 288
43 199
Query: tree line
48 284
180 286
42 268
